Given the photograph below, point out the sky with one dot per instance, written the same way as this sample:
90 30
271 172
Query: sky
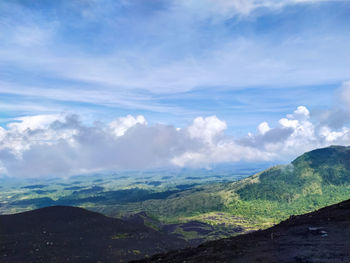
92 85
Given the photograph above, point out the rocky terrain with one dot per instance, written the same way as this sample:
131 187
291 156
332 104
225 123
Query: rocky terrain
321 236
70 234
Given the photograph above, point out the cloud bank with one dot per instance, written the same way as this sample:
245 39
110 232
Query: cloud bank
58 145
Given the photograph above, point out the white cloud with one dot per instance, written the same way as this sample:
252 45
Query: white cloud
33 122
206 129
295 134
2 133
335 136
121 125
56 145
301 112
263 127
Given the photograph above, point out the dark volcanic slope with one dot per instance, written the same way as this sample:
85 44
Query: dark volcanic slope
321 236
70 234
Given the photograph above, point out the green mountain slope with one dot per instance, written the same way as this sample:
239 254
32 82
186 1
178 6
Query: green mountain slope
321 236
313 180
308 174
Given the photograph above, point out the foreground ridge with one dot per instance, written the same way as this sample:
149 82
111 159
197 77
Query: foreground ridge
320 236
71 234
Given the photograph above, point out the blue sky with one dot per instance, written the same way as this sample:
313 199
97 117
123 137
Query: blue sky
172 61
244 61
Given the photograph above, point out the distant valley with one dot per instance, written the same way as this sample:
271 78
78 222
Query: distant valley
197 207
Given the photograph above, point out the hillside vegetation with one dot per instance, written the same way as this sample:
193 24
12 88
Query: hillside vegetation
313 180
322 236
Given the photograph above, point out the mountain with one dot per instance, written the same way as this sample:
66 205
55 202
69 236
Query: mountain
71 234
315 179
309 174
200 212
321 236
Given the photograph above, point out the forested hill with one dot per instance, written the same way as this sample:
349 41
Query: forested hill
309 175
313 180
321 236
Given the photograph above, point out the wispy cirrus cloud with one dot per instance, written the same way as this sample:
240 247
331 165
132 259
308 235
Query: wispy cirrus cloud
147 62
223 9
148 57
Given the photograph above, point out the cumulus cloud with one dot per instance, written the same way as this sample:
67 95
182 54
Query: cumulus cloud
207 128
57 145
294 134
121 125
33 122
263 128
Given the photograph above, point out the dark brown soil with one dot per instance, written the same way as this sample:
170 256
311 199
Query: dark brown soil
70 234
321 236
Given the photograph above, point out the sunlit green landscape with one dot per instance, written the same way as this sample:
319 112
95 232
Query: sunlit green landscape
197 204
